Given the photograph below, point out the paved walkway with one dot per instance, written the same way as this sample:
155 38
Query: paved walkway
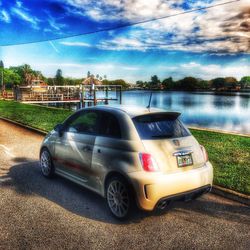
49 214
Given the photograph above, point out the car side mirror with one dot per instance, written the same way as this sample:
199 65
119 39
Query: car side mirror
59 128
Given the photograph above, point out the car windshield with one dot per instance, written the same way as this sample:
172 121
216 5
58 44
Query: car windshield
157 126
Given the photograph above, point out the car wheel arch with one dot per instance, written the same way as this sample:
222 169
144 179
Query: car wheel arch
123 176
44 148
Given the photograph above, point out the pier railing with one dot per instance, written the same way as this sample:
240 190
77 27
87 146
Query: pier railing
83 94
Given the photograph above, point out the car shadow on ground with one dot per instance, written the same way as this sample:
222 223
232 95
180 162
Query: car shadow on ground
27 179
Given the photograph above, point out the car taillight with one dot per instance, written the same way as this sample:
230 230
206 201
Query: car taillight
148 162
204 151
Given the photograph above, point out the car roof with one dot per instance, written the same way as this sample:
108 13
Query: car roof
133 111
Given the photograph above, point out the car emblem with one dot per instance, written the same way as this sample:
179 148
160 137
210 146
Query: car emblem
176 142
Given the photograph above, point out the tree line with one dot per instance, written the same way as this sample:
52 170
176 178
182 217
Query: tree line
191 83
24 75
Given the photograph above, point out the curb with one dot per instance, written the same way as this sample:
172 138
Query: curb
230 194
219 131
221 191
36 130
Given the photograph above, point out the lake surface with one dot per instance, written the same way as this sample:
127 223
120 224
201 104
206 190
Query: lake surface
229 113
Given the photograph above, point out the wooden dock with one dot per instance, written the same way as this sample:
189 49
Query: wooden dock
85 95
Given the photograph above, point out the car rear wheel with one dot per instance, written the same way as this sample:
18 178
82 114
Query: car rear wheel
119 198
46 164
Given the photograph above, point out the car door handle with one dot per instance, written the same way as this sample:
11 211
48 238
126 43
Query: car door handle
86 148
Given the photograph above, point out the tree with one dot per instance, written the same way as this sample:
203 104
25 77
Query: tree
140 84
72 81
168 83
231 82
218 82
155 81
189 83
121 82
245 82
106 82
2 69
11 77
203 84
26 73
59 80
88 74
50 81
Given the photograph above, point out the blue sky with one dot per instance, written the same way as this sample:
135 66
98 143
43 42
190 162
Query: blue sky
206 43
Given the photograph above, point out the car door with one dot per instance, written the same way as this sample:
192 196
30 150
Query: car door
74 149
107 148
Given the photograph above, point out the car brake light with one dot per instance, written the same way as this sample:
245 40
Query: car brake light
148 162
204 151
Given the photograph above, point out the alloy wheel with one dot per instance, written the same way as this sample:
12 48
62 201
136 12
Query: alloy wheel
45 163
118 198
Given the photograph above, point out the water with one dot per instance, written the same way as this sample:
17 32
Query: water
229 113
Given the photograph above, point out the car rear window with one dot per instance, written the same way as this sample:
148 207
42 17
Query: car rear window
158 126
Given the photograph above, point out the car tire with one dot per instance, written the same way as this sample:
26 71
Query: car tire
119 198
46 164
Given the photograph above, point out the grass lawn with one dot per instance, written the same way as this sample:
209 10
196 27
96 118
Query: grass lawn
229 154
33 115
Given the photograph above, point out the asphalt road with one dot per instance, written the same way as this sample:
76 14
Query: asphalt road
36 213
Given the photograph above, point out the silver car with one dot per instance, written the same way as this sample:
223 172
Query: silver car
128 155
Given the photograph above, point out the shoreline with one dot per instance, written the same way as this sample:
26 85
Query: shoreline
205 92
219 131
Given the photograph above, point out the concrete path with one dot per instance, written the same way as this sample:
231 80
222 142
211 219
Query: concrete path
37 213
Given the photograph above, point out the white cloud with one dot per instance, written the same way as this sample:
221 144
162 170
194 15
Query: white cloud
121 43
25 16
19 4
210 71
113 71
76 44
221 29
53 22
126 10
4 16
54 47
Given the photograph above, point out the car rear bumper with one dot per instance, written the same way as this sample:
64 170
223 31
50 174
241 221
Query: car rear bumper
155 189
185 196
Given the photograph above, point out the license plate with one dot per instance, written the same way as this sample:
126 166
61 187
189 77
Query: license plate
184 160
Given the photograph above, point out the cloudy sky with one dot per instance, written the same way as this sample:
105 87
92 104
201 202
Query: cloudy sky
205 43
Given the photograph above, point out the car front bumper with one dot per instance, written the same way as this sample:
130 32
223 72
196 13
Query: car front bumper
155 189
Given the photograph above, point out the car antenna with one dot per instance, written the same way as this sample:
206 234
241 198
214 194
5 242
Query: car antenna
149 103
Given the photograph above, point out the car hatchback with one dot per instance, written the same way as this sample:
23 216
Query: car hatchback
128 155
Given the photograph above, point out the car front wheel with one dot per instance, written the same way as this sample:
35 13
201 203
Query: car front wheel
46 164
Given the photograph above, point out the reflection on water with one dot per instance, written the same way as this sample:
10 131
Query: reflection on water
230 113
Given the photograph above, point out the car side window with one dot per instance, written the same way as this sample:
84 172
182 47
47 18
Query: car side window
85 122
109 126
